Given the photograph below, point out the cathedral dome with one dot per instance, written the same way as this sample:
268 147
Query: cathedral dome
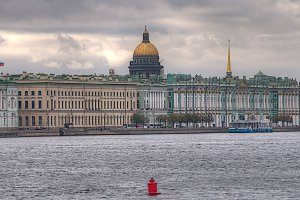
146 48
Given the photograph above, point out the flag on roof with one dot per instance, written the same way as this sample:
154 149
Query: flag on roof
1 64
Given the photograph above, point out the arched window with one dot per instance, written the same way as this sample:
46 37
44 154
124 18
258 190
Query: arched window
3 103
40 121
33 120
11 103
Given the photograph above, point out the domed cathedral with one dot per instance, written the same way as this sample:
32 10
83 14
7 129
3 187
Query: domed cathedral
145 60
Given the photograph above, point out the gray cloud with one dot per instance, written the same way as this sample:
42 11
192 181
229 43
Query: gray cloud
68 43
191 34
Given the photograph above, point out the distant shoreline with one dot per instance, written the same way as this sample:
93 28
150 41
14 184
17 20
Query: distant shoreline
125 131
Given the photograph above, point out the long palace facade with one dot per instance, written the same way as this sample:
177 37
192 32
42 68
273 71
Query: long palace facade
94 103
227 100
51 101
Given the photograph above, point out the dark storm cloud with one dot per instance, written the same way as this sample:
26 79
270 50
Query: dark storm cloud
120 17
73 15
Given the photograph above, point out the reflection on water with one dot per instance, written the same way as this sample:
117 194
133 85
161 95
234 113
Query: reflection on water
203 166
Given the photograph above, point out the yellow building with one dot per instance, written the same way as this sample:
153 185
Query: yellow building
54 103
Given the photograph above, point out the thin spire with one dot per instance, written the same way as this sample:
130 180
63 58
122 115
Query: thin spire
229 72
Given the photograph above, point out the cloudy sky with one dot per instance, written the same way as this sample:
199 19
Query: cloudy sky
91 36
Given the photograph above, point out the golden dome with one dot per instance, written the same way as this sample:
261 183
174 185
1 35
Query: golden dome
145 49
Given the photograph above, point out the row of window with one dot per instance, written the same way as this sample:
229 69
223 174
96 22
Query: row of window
9 91
89 105
142 61
26 93
50 121
79 93
11 103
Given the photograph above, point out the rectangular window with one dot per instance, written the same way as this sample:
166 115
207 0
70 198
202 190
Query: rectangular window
19 93
26 93
20 104
26 104
40 104
40 93
32 93
32 104
26 121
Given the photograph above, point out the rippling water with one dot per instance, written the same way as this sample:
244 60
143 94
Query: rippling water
202 166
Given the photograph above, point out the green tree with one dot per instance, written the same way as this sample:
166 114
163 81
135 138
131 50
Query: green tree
194 118
180 119
201 118
173 118
208 118
162 118
138 119
187 118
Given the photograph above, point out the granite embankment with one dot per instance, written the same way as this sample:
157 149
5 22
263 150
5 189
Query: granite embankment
124 131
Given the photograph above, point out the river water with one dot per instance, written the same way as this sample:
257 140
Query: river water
193 166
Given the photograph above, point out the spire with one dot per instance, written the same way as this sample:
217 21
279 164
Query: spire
146 36
228 72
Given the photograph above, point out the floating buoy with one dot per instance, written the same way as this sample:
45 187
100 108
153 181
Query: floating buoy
152 187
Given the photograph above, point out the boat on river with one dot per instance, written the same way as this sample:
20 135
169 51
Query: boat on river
250 126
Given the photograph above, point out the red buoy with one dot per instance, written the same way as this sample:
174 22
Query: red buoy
152 187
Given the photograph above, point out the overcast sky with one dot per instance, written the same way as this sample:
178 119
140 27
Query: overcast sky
91 36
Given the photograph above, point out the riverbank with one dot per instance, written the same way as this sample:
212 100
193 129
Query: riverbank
125 131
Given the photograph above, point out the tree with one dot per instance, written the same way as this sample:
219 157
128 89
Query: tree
162 118
201 118
194 118
188 117
208 118
180 119
137 118
173 118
